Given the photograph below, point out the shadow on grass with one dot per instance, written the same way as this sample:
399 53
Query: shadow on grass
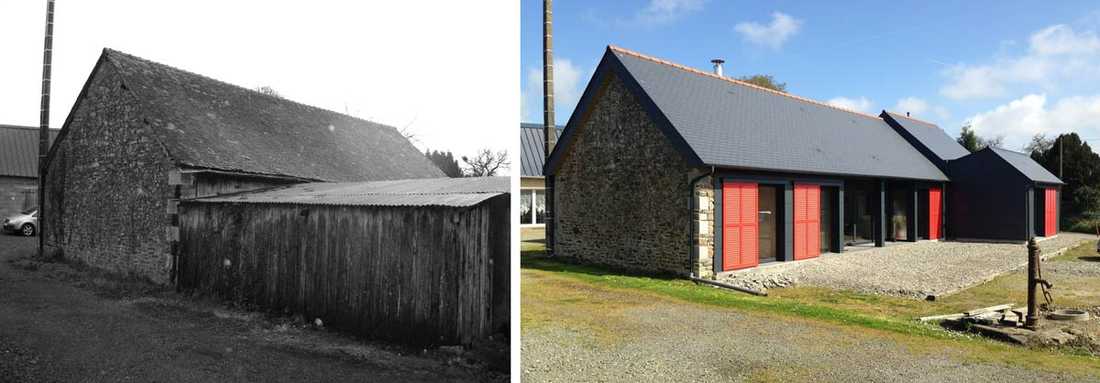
1090 258
539 261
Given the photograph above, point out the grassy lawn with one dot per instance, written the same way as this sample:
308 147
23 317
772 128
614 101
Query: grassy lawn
577 288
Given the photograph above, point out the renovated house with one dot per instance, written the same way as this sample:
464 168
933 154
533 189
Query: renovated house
532 187
669 169
19 168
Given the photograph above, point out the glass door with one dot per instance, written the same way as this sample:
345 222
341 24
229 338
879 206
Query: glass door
768 218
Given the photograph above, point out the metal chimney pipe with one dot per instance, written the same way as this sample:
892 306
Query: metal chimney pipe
717 66
44 127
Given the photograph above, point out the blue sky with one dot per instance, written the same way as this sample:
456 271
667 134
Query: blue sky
1011 69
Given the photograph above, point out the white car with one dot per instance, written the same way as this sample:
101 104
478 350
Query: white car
25 223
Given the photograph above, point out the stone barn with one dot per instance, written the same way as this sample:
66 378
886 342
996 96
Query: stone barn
143 136
422 261
19 168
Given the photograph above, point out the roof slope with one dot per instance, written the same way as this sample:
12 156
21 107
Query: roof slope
19 150
730 123
453 192
205 123
934 138
532 149
1027 166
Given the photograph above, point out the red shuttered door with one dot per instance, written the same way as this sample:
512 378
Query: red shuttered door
934 196
1050 222
807 221
740 248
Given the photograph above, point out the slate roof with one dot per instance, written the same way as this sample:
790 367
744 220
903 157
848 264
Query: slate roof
19 150
1027 166
729 123
531 149
934 138
206 123
453 192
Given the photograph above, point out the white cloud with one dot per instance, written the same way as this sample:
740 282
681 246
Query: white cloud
773 35
912 105
568 87
1055 55
861 104
1022 118
665 11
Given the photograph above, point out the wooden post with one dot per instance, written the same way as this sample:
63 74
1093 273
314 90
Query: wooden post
44 127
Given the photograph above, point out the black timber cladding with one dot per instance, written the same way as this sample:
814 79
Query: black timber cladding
19 150
727 123
208 124
532 149
989 198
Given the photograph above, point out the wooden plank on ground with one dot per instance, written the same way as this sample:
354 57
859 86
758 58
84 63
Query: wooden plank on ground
984 310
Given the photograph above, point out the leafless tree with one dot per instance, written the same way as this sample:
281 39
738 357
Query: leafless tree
486 163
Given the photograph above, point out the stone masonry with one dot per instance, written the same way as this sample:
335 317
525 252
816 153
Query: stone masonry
106 186
622 191
703 215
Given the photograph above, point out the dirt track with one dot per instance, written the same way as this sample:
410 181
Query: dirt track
52 329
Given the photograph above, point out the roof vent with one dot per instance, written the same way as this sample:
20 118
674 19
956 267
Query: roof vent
717 66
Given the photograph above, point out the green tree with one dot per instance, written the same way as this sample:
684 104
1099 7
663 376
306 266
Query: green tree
766 81
446 162
970 139
1080 168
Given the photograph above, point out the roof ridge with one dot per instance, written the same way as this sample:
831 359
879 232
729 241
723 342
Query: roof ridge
912 118
118 52
736 81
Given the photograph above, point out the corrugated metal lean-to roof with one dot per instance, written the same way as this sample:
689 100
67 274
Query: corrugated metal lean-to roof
453 192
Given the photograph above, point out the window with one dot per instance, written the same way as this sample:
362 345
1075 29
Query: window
525 207
532 206
540 206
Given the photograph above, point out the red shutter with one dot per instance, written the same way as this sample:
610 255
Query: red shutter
1050 224
934 207
740 248
807 221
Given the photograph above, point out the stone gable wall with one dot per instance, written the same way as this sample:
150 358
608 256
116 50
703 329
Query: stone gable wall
622 191
106 186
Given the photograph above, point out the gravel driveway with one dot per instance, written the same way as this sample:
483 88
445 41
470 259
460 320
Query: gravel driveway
916 270
656 339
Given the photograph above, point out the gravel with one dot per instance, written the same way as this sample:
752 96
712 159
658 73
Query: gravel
674 341
915 270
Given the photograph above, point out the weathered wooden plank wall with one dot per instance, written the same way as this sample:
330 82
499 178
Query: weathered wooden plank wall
417 275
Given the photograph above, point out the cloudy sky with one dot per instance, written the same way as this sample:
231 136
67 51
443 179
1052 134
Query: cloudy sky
1011 69
420 65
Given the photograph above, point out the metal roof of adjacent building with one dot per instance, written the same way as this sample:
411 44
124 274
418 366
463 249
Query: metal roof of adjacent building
934 138
532 149
19 150
729 123
210 124
452 192
1027 166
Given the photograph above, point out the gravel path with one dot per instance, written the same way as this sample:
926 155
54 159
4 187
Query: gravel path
915 270
667 340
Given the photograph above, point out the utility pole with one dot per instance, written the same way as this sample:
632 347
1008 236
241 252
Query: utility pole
44 127
549 128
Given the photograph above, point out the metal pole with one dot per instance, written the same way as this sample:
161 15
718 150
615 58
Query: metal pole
550 136
1033 251
44 126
